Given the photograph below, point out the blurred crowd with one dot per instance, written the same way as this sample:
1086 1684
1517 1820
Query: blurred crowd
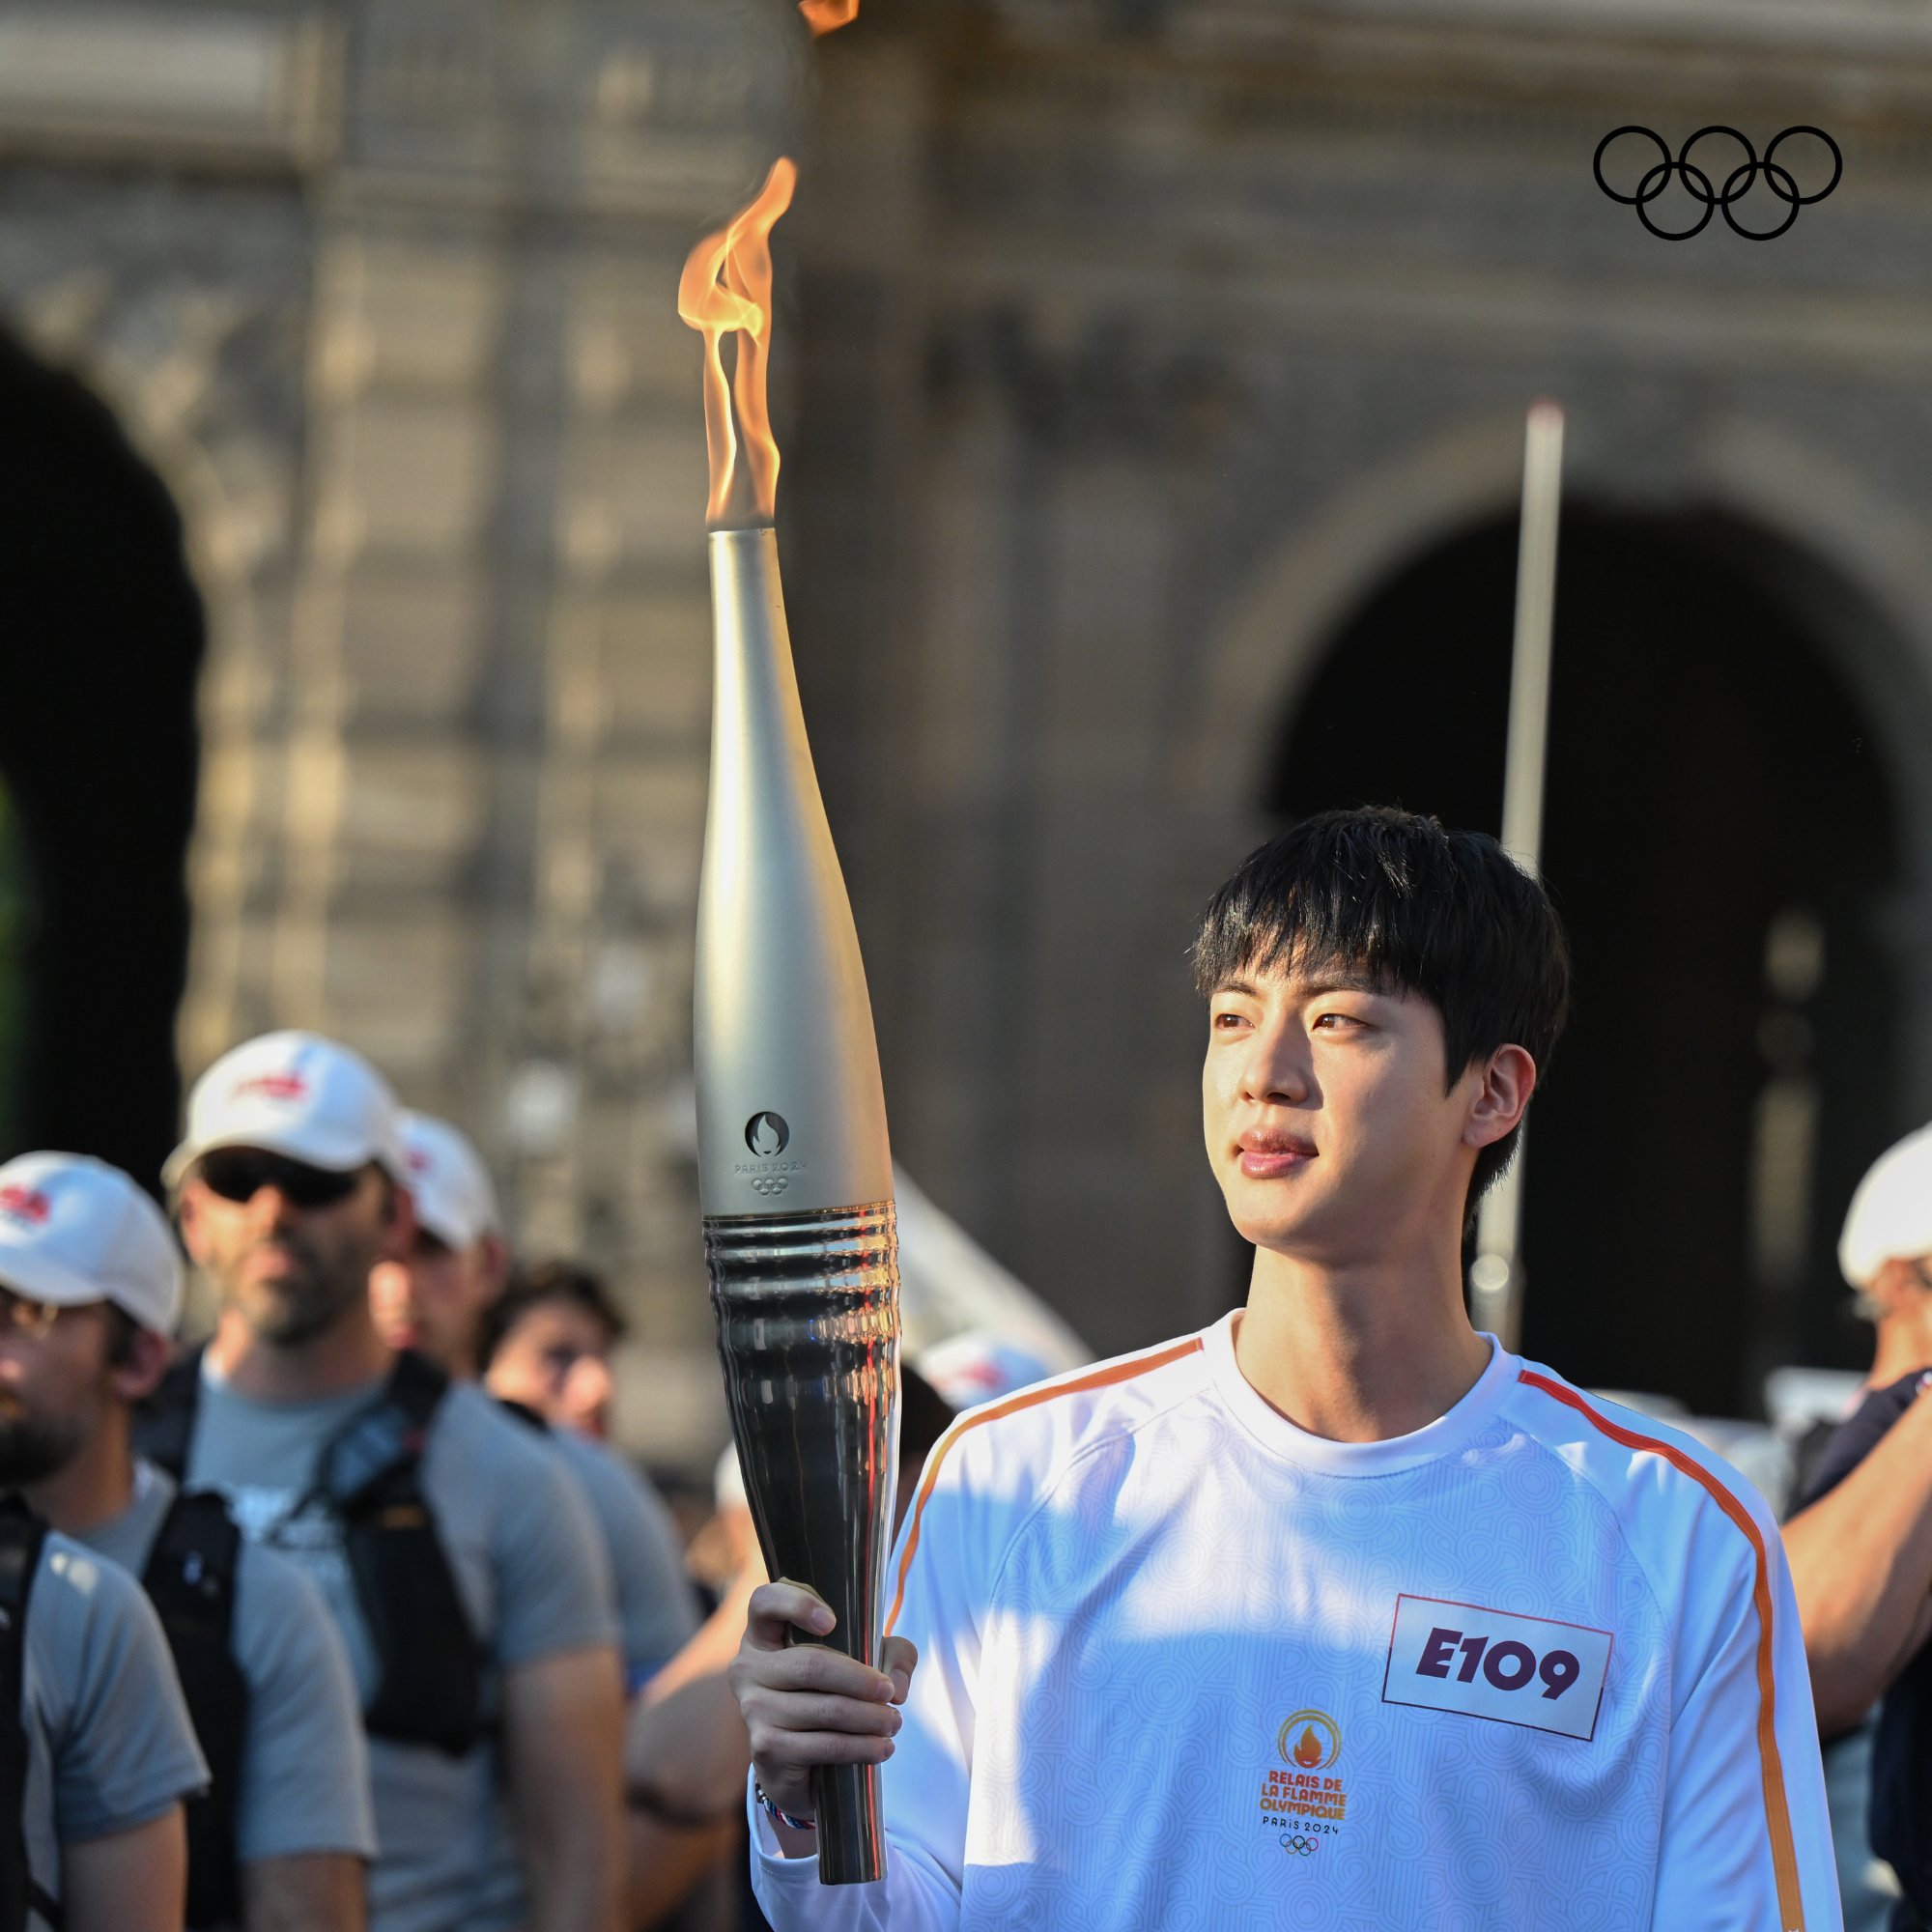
349 1615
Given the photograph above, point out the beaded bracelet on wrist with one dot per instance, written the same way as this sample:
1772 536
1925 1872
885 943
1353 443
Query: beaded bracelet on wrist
778 1817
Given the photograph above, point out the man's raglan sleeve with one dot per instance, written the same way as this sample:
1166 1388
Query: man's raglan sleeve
1746 1840
127 1751
936 1596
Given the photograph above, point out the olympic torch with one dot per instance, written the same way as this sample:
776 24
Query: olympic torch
794 1169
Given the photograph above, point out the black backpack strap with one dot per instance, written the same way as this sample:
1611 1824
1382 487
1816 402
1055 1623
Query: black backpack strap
430 1677
418 1387
190 1581
522 1412
22 1533
164 1423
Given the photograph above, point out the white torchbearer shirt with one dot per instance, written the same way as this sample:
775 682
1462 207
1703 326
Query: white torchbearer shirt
1183 1664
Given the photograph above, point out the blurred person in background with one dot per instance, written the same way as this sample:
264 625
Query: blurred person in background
281 1840
461 1563
446 1296
434 1299
1861 1548
447 1300
97 1751
549 1347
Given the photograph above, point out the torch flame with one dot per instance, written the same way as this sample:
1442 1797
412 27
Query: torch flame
827 16
726 290
1308 1753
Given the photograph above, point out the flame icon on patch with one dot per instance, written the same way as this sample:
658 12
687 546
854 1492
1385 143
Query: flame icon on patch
767 1134
1311 1740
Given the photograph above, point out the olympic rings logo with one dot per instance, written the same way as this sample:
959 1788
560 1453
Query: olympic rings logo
1738 183
1306 1848
770 1185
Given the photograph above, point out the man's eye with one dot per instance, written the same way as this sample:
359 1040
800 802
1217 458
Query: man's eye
1227 1022
1335 1022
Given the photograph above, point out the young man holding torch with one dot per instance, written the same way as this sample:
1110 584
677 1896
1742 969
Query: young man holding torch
1335 1614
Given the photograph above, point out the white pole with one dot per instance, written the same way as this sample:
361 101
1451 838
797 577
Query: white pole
1496 1278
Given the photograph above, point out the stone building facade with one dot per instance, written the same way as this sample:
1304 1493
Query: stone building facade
1134 352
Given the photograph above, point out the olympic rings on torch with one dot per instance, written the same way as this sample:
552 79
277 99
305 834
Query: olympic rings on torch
1738 183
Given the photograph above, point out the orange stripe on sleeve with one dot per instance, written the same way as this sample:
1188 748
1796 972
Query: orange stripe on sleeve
1776 1807
1027 1398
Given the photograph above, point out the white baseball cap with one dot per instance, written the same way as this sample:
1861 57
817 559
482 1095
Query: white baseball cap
1890 1216
293 1094
978 1366
75 1230
453 1195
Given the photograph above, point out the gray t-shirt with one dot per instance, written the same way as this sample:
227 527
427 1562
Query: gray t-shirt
305 1783
530 1568
656 1605
109 1744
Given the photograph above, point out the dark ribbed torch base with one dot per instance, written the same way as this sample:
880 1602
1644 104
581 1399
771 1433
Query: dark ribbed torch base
808 1331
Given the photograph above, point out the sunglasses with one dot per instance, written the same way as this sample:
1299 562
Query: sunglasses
240 1173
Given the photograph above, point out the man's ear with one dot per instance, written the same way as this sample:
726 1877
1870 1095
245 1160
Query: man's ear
399 1224
1508 1081
149 1355
187 1219
494 1262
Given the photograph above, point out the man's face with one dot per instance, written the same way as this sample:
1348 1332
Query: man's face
55 1384
1326 1121
433 1300
291 1272
554 1361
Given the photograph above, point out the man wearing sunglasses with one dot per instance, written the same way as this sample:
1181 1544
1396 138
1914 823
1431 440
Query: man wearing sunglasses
459 1560
281 1839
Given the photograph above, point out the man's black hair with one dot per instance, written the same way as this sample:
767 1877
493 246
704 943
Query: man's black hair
1446 915
541 1282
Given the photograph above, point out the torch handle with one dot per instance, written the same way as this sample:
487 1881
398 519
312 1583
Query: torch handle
851 1837
808 1332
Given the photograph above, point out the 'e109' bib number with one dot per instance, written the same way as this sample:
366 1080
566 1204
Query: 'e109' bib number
1481 1663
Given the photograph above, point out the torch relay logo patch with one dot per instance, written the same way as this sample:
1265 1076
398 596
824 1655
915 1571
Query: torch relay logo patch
1304 1804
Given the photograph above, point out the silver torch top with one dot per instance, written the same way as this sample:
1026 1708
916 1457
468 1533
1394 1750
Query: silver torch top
791 1113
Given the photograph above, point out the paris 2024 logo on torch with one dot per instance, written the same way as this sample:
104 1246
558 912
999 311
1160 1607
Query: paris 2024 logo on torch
767 1135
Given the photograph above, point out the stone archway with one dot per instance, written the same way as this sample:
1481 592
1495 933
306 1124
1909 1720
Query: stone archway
1725 837
102 648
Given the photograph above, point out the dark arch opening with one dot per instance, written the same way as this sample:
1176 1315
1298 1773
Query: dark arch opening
1718 834
101 644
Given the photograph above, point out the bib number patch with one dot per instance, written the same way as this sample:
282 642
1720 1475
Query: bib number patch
1490 1663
